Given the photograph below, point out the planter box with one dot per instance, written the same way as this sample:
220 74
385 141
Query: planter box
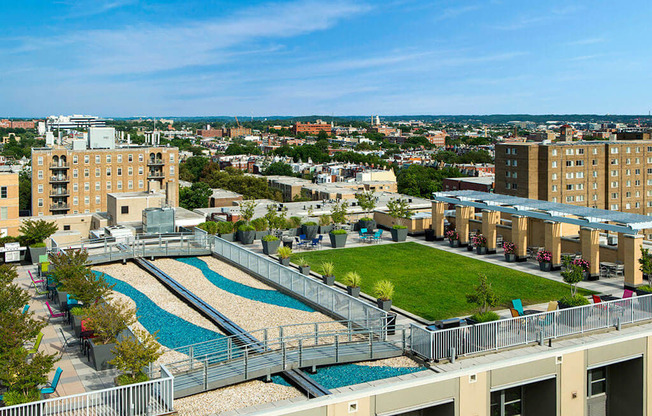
469 247
385 305
640 292
247 237
284 262
76 325
227 237
328 280
399 234
353 291
454 243
310 231
325 229
36 252
100 355
292 232
430 234
338 240
271 247
545 266
261 234
510 257
305 270
62 300
481 250
369 225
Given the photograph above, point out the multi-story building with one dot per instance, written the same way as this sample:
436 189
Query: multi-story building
238 132
613 175
209 133
311 128
73 122
9 221
67 181
17 124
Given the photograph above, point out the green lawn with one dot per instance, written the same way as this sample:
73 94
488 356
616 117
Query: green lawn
434 283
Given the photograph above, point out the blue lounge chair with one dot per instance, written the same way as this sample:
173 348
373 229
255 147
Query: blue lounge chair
25 309
299 242
518 306
362 234
314 243
52 387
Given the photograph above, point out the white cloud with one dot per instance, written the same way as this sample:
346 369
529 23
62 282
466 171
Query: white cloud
453 12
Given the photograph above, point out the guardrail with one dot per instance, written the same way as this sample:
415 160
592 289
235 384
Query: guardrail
343 306
151 398
506 333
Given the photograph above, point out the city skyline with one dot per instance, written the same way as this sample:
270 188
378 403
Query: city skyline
125 58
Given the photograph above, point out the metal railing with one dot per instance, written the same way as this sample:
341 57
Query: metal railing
151 398
506 333
328 298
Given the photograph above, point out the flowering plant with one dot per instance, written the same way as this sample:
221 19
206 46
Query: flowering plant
582 263
509 247
479 240
452 235
544 256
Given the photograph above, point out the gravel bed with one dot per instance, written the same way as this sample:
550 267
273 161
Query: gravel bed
401 361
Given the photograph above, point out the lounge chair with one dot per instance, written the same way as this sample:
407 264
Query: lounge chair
299 242
514 312
362 234
34 281
37 344
25 309
67 342
52 314
52 387
628 294
378 236
518 306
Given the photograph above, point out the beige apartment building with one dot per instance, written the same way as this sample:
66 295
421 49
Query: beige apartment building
66 181
9 222
612 175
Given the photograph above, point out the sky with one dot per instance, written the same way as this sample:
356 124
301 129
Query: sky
130 58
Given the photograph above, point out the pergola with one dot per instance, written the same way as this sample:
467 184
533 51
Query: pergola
590 220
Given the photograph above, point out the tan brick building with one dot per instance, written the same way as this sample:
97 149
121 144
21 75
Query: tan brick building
613 175
66 181
9 221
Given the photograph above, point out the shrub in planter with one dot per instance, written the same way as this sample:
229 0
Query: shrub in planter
261 225
246 234
284 254
338 238
77 314
107 321
430 234
643 290
479 241
209 226
479 318
34 234
399 209
294 222
572 301
270 244
544 257
399 233
352 280
310 229
366 222
304 267
510 251
453 238
384 292
328 273
367 201
325 225
133 354
15 397
572 274
225 230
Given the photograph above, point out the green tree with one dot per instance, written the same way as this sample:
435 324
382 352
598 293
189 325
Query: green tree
484 296
366 200
36 232
399 209
422 181
191 169
279 168
196 196
134 354
24 191
645 263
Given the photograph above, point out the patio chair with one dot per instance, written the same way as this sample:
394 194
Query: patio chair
67 342
619 270
314 243
34 281
628 294
40 292
52 314
518 306
321 239
362 235
514 312
299 243
37 344
52 387
377 236
548 318
25 309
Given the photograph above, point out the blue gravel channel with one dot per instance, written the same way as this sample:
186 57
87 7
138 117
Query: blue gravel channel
173 332
337 376
271 297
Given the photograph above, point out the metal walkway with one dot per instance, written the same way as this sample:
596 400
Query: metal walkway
242 346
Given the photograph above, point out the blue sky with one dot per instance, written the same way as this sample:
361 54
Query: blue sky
208 57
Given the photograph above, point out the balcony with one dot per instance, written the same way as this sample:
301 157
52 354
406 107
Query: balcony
54 166
59 179
55 194
155 175
155 162
59 207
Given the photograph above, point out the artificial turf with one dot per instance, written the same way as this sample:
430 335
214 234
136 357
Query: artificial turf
434 283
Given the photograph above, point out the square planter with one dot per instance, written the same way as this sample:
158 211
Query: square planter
325 229
353 291
305 270
292 232
454 243
100 355
284 262
247 237
76 325
227 237
338 240
310 231
481 250
62 300
385 305
469 247
399 234
271 247
328 280
510 257
430 234
545 266
36 252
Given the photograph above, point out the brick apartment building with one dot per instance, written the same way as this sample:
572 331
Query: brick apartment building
613 175
311 128
66 181
17 124
209 133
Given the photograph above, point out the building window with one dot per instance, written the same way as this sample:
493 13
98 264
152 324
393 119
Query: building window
637 182
87 159
40 190
87 173
514 162
3 191
554 200
580 198
40 202
108 185
130 185
507 402
554 188
595 151
614 173
87 186
595 185
108 171
508 162
597 382
569 175
569 187
75 173
98 159
98 173
554 176
508 174
140 184
569 163
98 199
628 150
119 171
87 200
171 157
579 163
628 194
569 152
614 161
628 184
554 152
108 158
124 209
119 184
614 195
119 158
75 200
172 171
637 171
554 164
140 170
40 174
613 150
579 186
579 175
98 186
580 151
570 198
594 162
595 197
40 160
130 158
141 157
75 187
75 159
4 213
130 171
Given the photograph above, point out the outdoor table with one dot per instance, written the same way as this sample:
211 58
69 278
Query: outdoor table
607 298
611 267
530 312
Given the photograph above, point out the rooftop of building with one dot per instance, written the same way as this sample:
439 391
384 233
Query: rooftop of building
484 180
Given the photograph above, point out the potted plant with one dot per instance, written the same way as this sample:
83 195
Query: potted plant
261 226
209 226
479 241
585 265
430 234
485 298
310 229
325 225
384 292
246 234
248 209
645 263
510 251
236 229
453 238
338 238
284 254
352 280
304 267
34 234
225 230
544 257
270 244
328 273
294 226
572 274
107 320
399 209
367 201
275 217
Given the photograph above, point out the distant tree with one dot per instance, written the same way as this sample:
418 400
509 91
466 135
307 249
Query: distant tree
25 191
422 181
191 169
279 168
196 196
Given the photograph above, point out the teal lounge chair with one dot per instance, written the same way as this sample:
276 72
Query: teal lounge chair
52 387
518 305
25 309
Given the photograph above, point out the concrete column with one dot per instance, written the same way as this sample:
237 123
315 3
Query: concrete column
632 250
552 241
438 218
462 216
620 254
519 236
489 220
590 241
